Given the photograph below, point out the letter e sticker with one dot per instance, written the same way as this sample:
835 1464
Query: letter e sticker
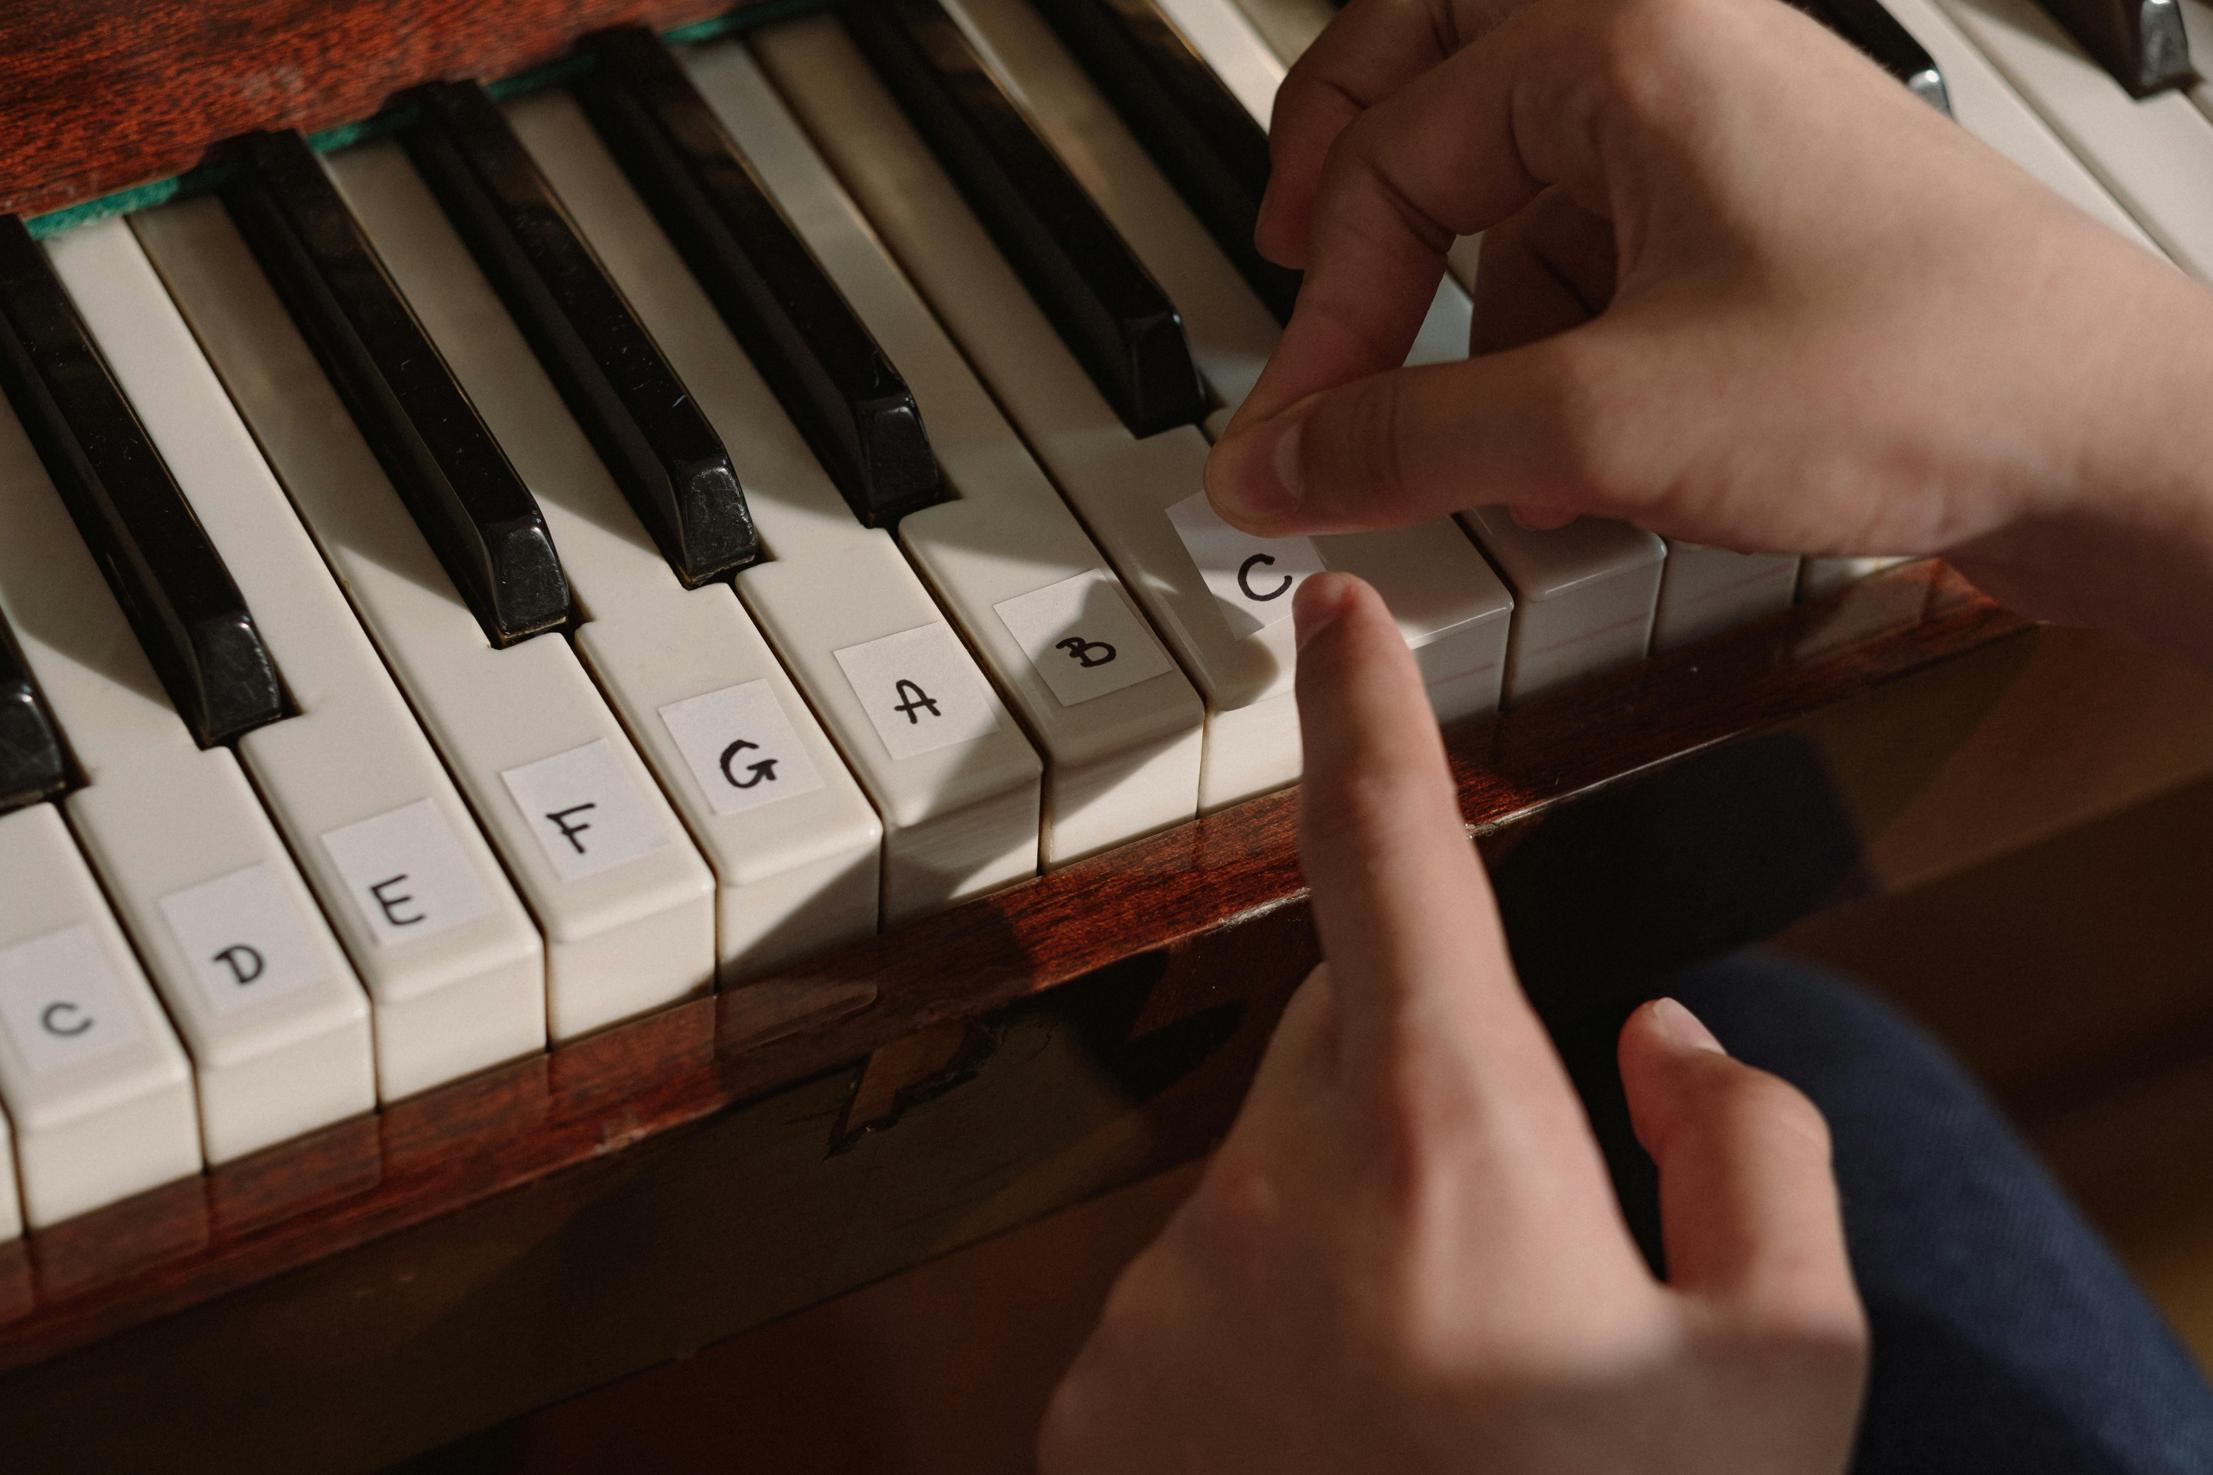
406 873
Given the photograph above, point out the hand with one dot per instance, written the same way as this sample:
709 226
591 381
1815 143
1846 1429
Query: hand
1737 285
1407 1256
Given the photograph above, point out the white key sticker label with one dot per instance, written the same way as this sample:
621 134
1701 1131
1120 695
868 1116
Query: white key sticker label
741 747
61 1002
921 690
586 810
1251 579
244 937
1083 637
407 873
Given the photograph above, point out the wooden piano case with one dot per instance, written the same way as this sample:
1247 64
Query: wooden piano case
395 1282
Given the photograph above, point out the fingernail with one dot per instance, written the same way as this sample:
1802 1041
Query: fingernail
1256 472
1320 600
1683 1028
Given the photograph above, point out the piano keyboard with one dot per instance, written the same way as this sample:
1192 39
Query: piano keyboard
556 556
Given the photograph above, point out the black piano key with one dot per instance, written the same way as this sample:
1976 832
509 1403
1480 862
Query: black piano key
1104 303
1196 130
855 411
32 764
2140 42
1867 25
643 422
187 613
474 510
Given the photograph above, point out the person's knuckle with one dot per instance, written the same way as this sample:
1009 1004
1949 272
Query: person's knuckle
1361 146
1303 88
1370 159
1432 1129
1237 1205
1643 54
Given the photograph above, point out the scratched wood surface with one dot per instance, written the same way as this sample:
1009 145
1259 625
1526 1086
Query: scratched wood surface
103 95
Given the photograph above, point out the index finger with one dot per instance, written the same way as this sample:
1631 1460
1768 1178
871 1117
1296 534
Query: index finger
1403 906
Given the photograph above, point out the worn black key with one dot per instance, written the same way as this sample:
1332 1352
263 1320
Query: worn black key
2140 42
189 616
847 400
1867 25
644 424
1106 306
32 765
1196 130
471 506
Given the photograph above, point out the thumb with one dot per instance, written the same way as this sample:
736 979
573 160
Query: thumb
1748 1200
1542 425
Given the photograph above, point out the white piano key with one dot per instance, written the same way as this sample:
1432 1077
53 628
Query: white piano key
1251 68
796 848
1988 107
1252 579
1584 596
1461 261
958 821
2197 28
1086 639
1850 616
1229 331
1822 577
1289 26
2153 154
1706 590
796 865
744 748
1450 606
1226 37
277 1026
98 1088
1123 759
618 941
11 1206
954 827
456 971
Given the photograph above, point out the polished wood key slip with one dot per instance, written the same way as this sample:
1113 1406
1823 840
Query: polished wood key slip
399 1280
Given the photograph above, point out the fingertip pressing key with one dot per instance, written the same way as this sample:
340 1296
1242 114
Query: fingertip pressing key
1319 602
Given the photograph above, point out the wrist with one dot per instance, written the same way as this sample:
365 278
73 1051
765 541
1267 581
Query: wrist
2116 529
